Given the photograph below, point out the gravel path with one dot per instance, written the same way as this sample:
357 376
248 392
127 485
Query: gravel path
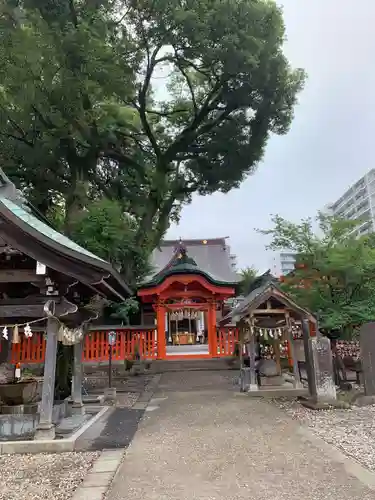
44 476
210 444
351 431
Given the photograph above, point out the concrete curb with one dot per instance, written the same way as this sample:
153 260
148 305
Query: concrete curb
352 467
98 480
49 446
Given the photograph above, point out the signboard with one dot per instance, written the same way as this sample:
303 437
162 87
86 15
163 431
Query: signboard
111 337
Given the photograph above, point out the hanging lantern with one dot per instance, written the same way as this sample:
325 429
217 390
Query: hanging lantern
16 335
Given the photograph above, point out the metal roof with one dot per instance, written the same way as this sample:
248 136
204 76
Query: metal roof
211 256
26 216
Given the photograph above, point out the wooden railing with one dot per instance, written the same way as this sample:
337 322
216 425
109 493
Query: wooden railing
95 346
226 341
29 350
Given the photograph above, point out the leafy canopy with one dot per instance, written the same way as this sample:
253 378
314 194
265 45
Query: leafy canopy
144 102
248 275
334 275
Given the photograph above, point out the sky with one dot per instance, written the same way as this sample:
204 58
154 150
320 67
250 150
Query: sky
330 144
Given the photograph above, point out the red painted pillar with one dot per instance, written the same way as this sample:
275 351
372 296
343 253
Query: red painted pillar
212 336
160 325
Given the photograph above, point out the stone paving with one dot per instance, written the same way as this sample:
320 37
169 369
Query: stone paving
203 441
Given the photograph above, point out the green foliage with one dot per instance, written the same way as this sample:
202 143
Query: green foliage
248 275
334 270
124 310
104 229
143 102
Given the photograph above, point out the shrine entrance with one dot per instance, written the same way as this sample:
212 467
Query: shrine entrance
187 302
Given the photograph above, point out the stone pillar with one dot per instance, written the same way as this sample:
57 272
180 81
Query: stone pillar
367 343
308 358
323 369
77 407
46 429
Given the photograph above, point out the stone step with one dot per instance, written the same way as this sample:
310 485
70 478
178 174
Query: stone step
169 365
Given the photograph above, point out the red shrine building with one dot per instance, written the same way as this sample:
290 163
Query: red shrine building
187 295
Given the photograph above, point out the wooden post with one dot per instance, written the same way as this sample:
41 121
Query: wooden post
211 327
297 379
160 318
253 377
77 407
276 346
46 429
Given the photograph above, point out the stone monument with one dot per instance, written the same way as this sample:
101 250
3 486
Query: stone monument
323 369
367 342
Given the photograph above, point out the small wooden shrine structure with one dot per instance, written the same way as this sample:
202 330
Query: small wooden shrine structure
186 299
271 325
47 282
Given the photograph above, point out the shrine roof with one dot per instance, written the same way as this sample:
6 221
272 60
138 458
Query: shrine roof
263 288
27 232
182 262
211 257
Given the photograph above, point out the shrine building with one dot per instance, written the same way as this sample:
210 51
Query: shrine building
187 295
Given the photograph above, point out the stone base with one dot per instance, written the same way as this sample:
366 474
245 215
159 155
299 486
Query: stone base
78 410
71 424
19 427
313 404
110 394
365 400
44 433
271 381
253 387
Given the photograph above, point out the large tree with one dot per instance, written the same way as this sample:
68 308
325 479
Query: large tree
144 101
334 275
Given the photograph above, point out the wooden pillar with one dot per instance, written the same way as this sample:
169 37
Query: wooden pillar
46 429
211 327
160 319
251 350
297 379
77 407
276 347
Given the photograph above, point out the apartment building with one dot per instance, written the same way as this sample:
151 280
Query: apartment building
287 262
358 202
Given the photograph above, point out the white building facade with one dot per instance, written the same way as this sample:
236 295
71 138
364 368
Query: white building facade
358 202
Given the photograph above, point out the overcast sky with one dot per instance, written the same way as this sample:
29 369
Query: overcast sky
331 142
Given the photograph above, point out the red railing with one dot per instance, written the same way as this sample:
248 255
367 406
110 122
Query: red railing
95 346
226 341
30 349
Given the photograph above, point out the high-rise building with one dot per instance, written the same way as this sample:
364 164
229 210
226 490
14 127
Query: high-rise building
358 202
287 262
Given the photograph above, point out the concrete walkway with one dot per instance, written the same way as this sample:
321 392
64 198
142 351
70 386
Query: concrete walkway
212 444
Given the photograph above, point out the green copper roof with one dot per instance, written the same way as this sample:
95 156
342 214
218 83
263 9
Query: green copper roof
26 216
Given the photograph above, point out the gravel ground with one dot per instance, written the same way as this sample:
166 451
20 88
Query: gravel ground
352 431
43 476
126 399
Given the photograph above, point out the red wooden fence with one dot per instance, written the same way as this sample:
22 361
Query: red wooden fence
30 349
226 340
95 346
